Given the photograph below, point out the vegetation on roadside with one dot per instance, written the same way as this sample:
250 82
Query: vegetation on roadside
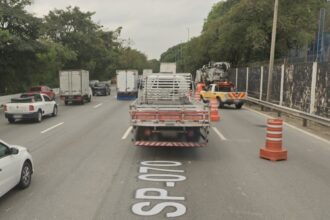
33 50
239 31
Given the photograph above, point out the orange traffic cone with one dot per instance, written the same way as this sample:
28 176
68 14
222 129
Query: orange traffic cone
200 87
214 110
197 96
273 150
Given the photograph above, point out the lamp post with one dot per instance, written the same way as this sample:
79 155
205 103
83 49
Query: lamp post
272 53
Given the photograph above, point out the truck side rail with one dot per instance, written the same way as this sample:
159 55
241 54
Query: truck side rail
170 115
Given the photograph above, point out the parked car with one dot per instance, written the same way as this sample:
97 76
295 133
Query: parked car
30 106
16 167
43 90
101 88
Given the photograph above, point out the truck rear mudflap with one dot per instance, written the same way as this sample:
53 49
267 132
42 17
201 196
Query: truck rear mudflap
168 144
170 136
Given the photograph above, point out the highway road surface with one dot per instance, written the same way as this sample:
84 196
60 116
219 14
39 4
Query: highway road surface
87 168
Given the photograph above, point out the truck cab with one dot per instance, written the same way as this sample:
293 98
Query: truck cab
225 93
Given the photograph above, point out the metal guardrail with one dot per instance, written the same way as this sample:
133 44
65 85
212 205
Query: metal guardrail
282 109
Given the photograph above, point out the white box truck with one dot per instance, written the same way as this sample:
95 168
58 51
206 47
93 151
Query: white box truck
127 84
167 67
74 86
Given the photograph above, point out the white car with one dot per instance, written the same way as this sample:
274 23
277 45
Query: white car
30 106
16 167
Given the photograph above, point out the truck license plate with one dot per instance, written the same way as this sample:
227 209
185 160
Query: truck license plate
17 116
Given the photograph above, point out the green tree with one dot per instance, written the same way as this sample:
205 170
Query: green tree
19 32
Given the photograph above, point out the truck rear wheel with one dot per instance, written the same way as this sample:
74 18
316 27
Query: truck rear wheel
54 114
239 105
11 120
39 117
221 104
204 101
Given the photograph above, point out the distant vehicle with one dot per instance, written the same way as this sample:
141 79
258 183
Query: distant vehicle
30 106
167 67
74 86
127 84
16 167
92 83
42 89
101 88
145 73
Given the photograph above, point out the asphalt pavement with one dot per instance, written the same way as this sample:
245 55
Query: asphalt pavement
86 167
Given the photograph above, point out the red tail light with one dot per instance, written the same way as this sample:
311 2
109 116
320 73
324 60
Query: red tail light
31 108
5 108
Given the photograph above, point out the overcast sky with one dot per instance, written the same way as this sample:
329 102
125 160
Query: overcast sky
152 25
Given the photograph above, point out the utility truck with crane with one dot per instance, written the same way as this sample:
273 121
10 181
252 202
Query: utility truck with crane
217 85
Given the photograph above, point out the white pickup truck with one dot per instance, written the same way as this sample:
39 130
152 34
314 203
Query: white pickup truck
30 106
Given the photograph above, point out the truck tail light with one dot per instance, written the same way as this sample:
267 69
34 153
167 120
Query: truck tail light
5 108
31 108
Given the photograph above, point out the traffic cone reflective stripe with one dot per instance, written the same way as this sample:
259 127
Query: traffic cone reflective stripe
273 150
197 96
214 110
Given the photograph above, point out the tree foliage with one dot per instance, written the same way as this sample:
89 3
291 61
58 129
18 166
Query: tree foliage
239 31
33 50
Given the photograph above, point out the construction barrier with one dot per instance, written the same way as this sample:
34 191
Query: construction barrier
273 150
214 105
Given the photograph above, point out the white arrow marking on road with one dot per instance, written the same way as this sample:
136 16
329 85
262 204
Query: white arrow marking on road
222 137
51 128
96 106
127 133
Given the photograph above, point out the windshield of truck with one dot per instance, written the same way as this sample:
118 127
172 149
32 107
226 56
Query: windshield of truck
223 89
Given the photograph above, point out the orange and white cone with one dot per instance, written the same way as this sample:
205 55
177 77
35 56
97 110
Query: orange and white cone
214 110
273 150
197 96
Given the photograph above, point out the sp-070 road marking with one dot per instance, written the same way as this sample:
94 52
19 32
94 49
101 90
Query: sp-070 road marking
99 105
51 128
151 200
222 137
291 126
127 133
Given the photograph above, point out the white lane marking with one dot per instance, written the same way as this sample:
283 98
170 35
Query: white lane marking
127 133
222 137
96 106
51 128
170 184
291 126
